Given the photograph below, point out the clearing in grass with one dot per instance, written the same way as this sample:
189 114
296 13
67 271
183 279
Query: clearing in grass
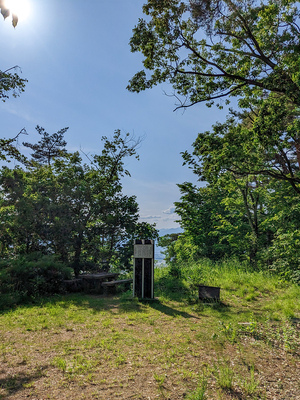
93 347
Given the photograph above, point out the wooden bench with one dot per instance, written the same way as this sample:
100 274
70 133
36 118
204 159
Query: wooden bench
92 283
73 285
110 287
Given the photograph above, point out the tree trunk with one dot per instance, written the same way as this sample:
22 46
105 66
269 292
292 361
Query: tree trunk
297 146
77 254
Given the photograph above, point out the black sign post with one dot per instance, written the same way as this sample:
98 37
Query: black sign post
143 273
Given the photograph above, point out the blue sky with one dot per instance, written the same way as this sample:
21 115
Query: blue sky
77 60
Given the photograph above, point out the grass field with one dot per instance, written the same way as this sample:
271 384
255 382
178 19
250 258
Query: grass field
92 347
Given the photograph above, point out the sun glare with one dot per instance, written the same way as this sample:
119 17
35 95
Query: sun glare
21 8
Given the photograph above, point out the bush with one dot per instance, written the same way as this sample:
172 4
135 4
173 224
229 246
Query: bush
33 275
285 253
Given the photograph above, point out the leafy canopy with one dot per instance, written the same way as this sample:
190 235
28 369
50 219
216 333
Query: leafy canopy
209 49
49 147
72 209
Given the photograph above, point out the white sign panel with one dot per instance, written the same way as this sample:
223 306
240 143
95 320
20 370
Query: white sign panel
143 251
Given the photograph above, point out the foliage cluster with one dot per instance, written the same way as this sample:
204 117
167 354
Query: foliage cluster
247 206
57 205
210 49
237 281
30 276
240 212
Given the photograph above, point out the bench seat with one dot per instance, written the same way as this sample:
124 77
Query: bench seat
110 287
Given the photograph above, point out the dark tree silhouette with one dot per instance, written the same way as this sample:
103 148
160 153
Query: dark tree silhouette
49 147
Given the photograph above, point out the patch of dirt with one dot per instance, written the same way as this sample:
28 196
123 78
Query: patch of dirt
146 353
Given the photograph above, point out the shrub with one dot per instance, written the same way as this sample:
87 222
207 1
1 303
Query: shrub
33 275
285 253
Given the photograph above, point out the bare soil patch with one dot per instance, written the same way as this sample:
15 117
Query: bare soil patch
87 347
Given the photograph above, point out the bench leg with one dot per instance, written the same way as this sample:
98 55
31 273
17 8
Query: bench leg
110 290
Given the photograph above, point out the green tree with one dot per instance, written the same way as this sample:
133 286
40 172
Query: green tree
10 83
200 211
72 209
167 242
9 150
210 49
49 147
283 220
25 201
263 142
227 158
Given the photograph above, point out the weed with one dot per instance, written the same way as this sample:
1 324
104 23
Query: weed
250 328
192 297
11 382
90 378
199 393
283 334
224 375
120 360
106 323
249 385
160 379
60 363
290 338
28 385
229 332
187 375
24 360
81 365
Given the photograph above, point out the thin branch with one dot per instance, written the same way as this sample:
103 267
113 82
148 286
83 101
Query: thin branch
9 69
225 73
240 52
236 37
212 98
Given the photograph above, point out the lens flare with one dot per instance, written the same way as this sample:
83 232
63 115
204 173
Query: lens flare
21 8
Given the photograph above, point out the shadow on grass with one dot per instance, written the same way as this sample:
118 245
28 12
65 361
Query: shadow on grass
237 395
96 303
222 309
172 312
111 304
64 301
16 383
169 288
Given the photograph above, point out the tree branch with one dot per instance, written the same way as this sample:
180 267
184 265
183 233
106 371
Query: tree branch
212 97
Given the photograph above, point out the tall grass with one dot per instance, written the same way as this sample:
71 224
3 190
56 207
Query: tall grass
236 281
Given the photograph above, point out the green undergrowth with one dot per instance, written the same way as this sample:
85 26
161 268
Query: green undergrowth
239 286
173 347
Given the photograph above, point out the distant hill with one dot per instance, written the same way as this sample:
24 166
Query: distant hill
158 250
163 232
